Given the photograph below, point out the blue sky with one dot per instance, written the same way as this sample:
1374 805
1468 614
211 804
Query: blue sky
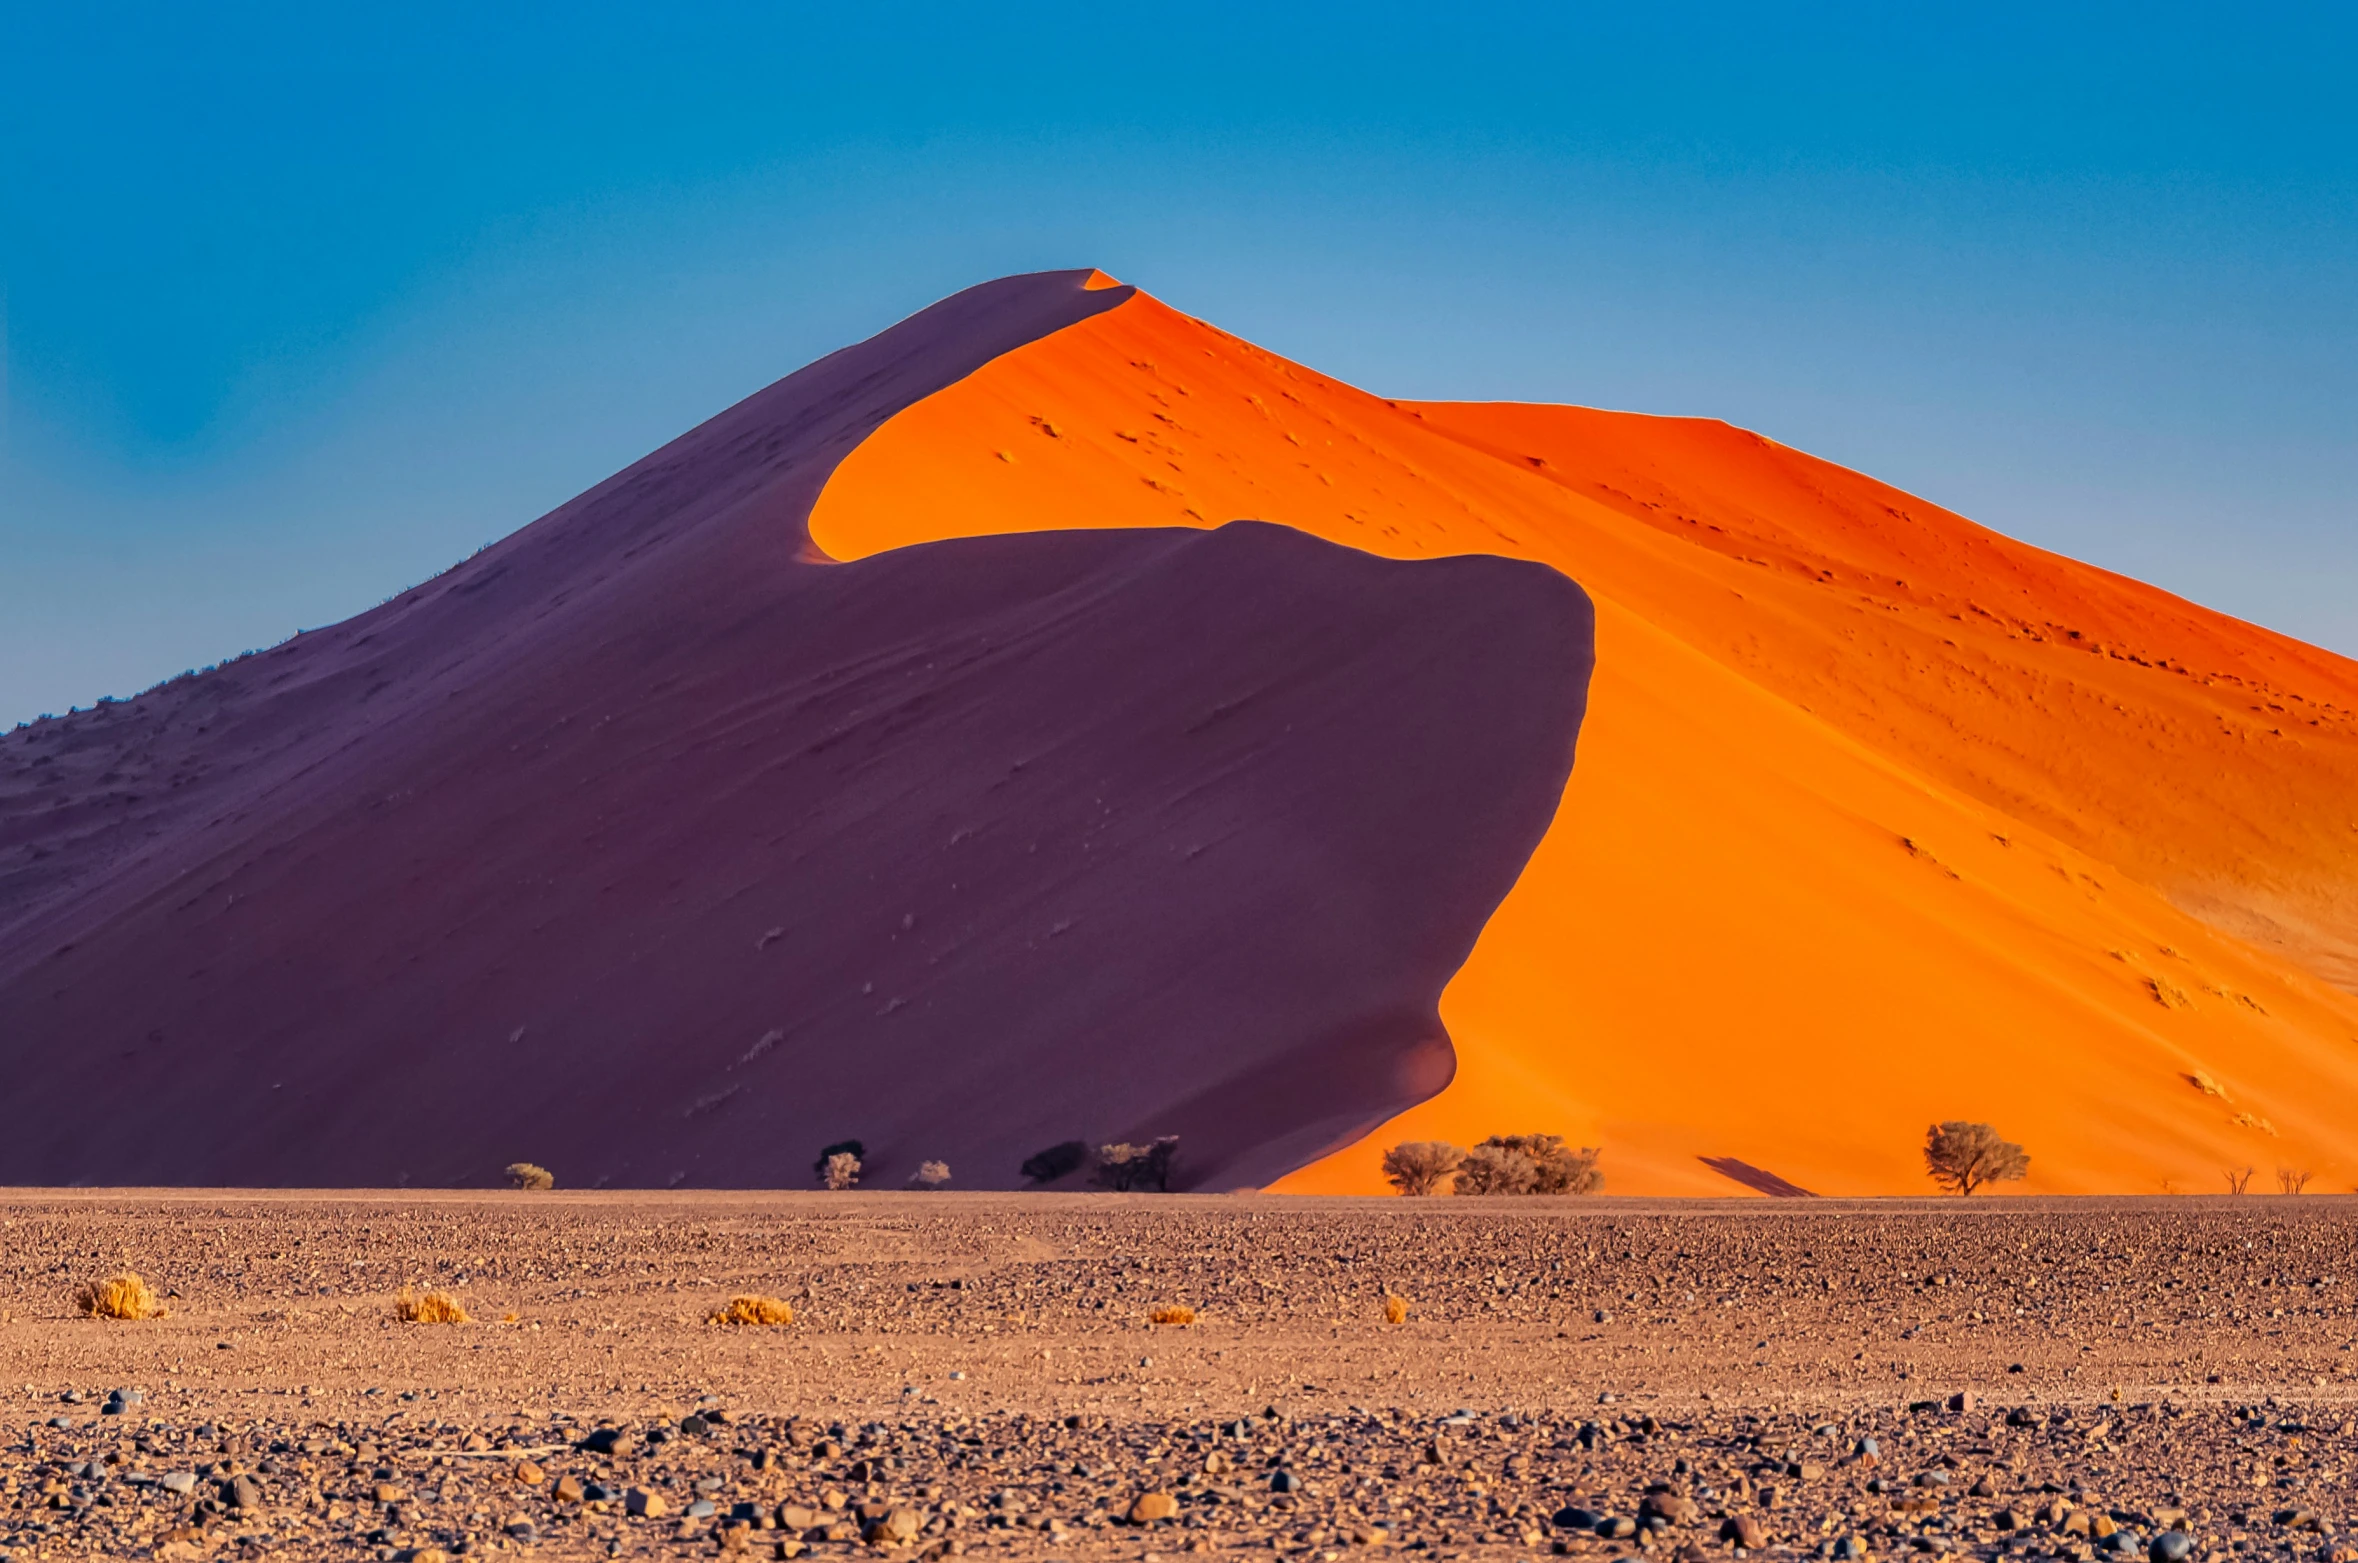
302 304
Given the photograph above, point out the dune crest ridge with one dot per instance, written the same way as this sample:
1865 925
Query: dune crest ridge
1880 817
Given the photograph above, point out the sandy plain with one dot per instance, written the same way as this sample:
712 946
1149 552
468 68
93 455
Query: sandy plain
977 1374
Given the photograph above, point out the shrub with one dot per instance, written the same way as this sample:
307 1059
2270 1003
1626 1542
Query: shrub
2292 1180
415 1307
855 1149
525 1175
1962 1156
1125 1167
1496 1169
1172 1313
930 1175
123 1296
1420 1166
1395 1309
1556 1168
2239 1182
751 1308
1056 1161
841 1171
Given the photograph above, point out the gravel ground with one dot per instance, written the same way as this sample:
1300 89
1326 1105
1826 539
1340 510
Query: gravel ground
977 1374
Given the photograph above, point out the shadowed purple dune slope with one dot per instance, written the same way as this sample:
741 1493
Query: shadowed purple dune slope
651 847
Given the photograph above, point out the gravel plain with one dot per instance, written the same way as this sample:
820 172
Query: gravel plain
2001 1377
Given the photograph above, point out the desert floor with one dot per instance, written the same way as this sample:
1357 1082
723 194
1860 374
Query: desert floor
978 1373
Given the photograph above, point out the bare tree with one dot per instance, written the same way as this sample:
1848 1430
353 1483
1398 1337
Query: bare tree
2291 1181
2239 1182
1961 1157
1419 1166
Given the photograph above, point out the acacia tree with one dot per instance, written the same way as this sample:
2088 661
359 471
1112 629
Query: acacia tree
1418 1166
1961 1157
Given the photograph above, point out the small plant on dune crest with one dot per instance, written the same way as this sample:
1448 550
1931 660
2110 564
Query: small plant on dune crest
1496 1169
1420 1166
1395 1308
1556 1168
524 1175
930 1175
412 1306
123 1296
1961 1157
2292 1181
1057 1161
2239 1182
753 1309
1172 1313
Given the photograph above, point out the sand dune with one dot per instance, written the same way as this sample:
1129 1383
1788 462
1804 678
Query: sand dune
651 846
1880 817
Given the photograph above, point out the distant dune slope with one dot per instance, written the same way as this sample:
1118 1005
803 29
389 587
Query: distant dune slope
653 847
1879 817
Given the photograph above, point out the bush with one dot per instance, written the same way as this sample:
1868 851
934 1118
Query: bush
930 1175
1172 1313
752 1308
1125 1167
415 1307
1491 1168
1556 1168
1961 1157
1419 1166
840 1171
525 1175
123 1296
1395 1309
855 1149
1056 1161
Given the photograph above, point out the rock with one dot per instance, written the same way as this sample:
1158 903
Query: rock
523 1530
530 1474
2171 1546
386 1492
2296 1519
1577 1518
568 1489
1806 1471
1853 1549
1984 1488
243 1492
793 1516
736 1537
896 1528
602 1441
429 1555
693 1424
1744 1531
1932 1478
1616 1527
2011 1519
1963 1400
1673 1507
791 1549
1285 1481
646 1505
1152 1506
703 1509
181 1482
1369 1536
2020 1416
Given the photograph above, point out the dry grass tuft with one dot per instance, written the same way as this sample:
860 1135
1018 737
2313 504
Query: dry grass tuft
525 1175
415 1307
123 1296
1172 1313
753 1309
1395 1309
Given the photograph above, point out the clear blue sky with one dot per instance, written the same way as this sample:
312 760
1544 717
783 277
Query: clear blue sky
303 303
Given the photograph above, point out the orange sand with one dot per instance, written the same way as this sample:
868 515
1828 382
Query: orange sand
1879 817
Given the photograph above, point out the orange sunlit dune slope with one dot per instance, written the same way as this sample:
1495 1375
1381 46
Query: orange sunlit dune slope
1878 817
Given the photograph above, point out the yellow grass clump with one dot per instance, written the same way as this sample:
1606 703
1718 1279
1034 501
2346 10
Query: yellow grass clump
1395 1309
123 1296
525 1175
752 1309
416 1307
1172 1313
